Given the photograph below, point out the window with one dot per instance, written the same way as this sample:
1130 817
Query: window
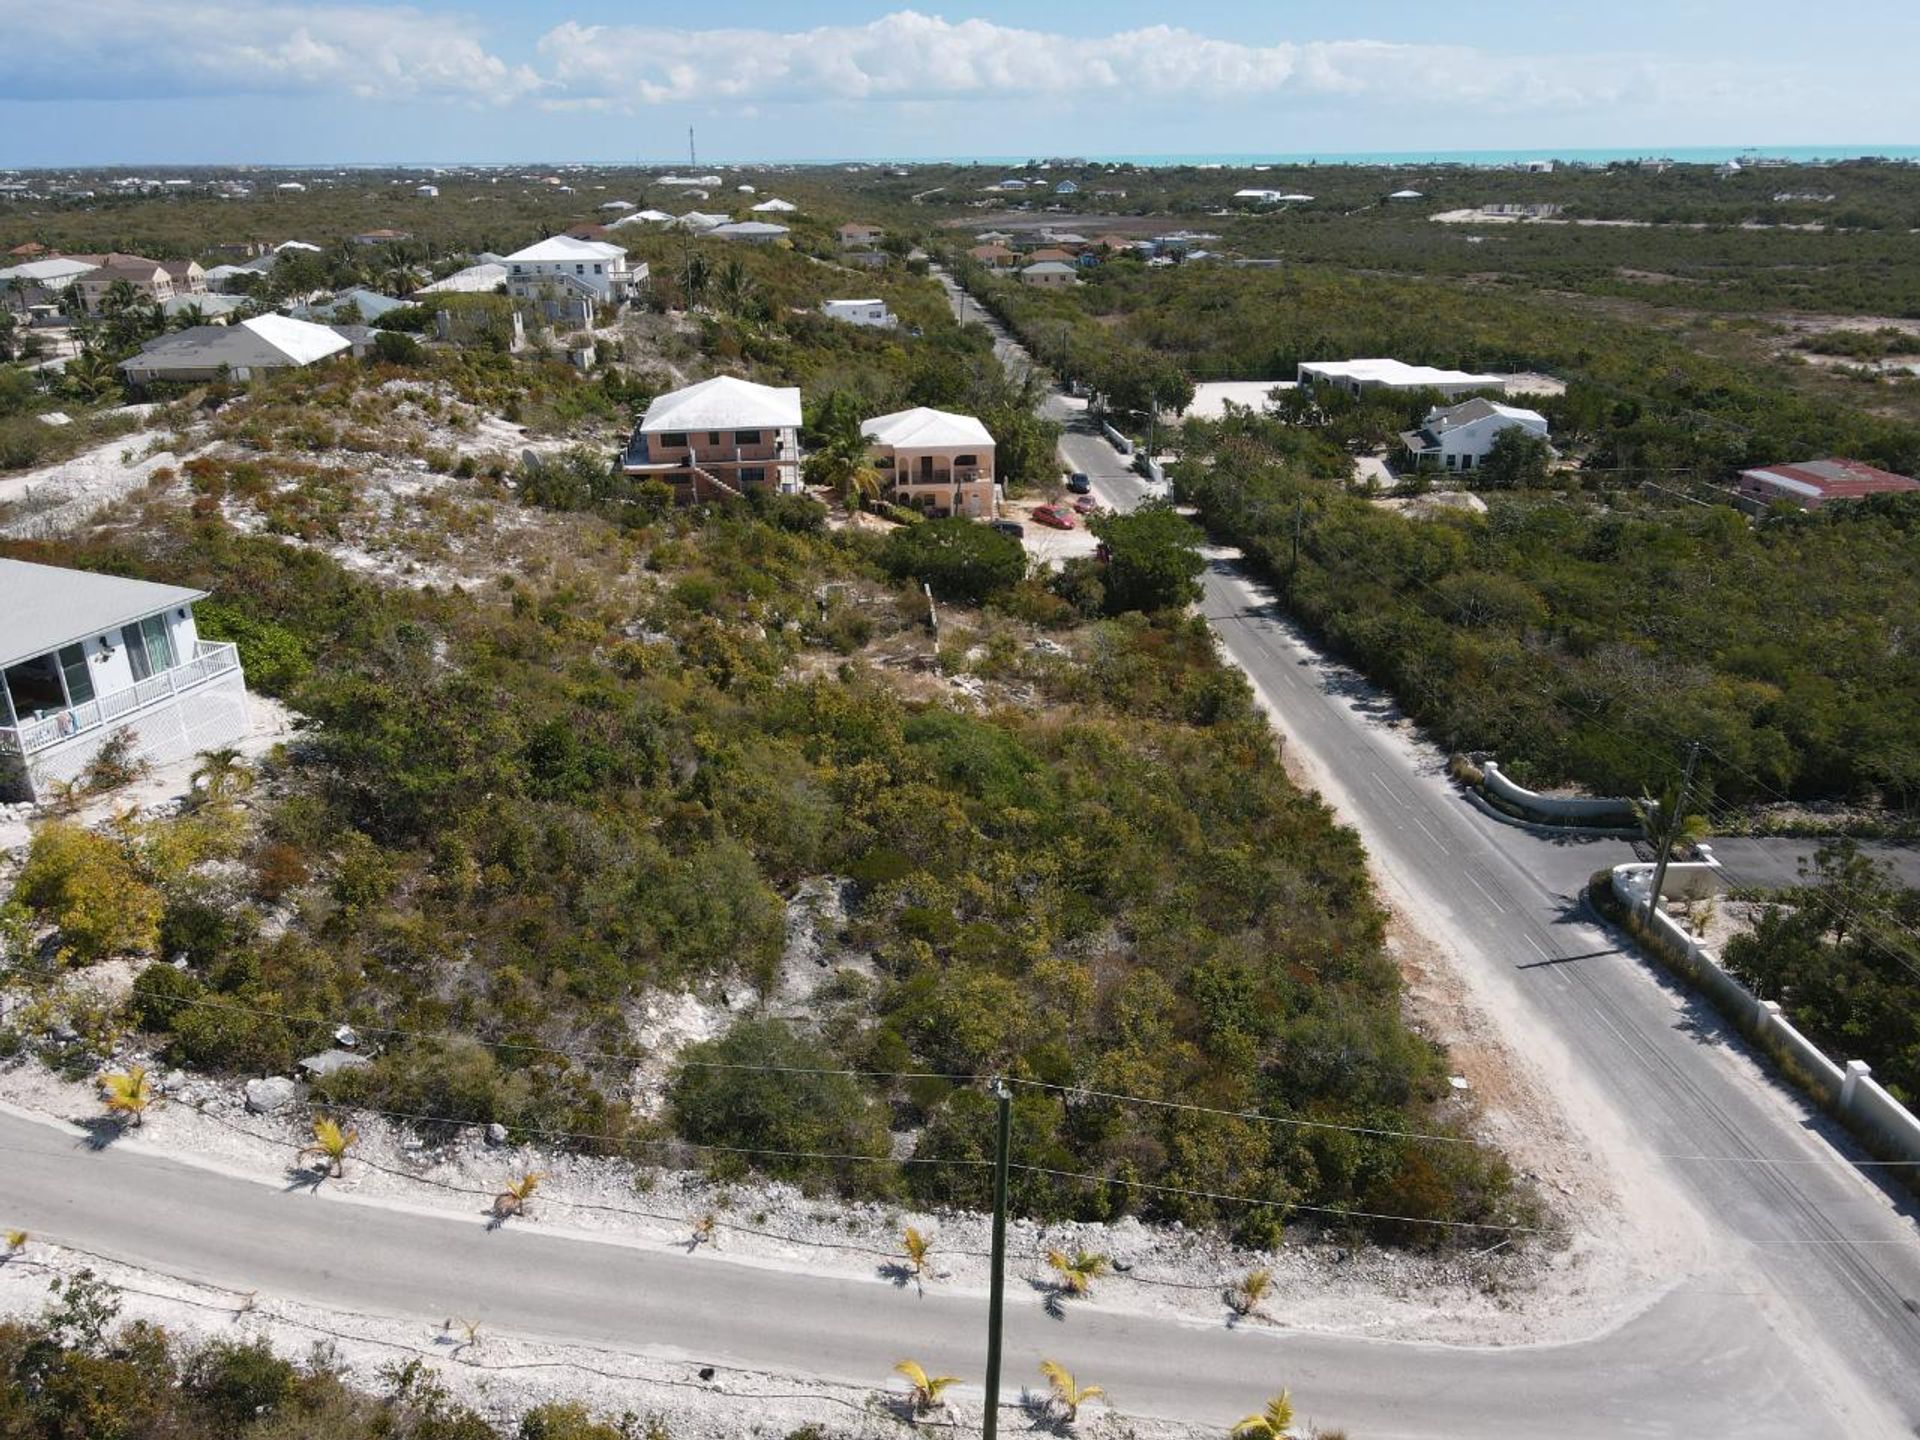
753 475
1450 460
713 437
675 439
73 665
579 269
599 269
149 650
966 459
746 437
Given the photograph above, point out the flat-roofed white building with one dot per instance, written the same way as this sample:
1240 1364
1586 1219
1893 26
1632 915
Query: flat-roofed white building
722 437
1358 376
86 656
860 312
936 461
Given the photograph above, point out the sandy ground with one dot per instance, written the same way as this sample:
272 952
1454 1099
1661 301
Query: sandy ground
59 497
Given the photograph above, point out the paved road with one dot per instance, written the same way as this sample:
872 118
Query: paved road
1680 1362
1802 1323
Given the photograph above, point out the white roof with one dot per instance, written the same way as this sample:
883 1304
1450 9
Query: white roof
617 205
699 220
748 230
43 607
924 426
564 248
296 244
724 403
301 341
1406 195
1396 372
775 205
48 272
640 217
876 300
474 280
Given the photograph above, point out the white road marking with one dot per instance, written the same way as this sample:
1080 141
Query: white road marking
1473 880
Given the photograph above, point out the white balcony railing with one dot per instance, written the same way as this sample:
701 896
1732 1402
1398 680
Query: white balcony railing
210 659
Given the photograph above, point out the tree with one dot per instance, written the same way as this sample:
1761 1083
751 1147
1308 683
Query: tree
1250 1291
1068 1393
222 775
735 287
918 1247
1077 1272
331 1143
128 1094
118 298
1153 559
924 1390
186 317
841 457
517 1196
90 889
961 559
1517 459
93 377
1273 1423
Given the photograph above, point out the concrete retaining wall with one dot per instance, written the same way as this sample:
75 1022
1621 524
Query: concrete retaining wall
1116 439
1849 1089
1153 470
1553 808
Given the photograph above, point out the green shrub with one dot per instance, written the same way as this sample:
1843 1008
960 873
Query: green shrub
89 888
961 559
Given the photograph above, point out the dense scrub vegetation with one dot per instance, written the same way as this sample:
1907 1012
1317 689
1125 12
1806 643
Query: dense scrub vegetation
1585 641
517 811
1839 953
79 1373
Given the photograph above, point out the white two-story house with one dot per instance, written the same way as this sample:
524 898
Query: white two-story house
1459 437
565 267
86 656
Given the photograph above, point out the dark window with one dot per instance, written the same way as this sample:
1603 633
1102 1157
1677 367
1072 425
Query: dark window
713 437
73 664
35 687
136 651
966 459
674 439
746 437
149 649
753 475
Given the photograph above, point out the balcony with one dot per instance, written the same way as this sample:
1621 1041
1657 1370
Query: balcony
210 660
958 475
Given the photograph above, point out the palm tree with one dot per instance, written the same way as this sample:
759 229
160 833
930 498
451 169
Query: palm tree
222 774
694 279
1666 828
515 1198
186 317
925 1389
128 1094
93 377
331 1143
1250 1290
118 298
841 458
1068 1394
1078 1271
735 287
919 1247
1273 1423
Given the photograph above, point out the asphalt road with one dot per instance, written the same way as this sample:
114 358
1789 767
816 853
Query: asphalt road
1802 1323
1826 1251
1681 1363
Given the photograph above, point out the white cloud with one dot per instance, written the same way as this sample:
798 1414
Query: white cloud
146 48
912 56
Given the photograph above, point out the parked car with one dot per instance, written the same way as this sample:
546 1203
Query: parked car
1011 527
1086 505
1079 484
1053 516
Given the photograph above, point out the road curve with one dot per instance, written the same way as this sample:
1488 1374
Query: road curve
1679 1369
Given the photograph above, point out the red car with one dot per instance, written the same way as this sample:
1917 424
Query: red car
1086 505
1052 516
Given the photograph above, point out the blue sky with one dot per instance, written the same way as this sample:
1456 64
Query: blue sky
151 81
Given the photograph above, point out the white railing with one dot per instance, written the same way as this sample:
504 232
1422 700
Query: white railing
210 659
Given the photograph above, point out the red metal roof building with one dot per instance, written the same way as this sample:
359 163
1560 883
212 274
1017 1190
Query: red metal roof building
1812 483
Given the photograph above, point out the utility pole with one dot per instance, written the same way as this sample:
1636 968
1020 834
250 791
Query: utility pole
997 1283
1670 829
693 160
1299 512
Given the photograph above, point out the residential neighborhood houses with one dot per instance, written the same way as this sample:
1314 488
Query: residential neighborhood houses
721 437
1812 484
237 352
593 269
88 657
936 461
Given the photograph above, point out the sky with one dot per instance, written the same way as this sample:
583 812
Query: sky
145 82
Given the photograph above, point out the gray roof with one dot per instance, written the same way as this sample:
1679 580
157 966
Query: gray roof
207 347
43 607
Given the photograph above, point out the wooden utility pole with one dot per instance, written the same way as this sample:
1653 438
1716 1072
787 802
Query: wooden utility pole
1670 829
997 1282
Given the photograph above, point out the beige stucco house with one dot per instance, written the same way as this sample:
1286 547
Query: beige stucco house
935 461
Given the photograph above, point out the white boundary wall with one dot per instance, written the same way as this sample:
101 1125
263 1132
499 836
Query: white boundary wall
1553 807
1850 1089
